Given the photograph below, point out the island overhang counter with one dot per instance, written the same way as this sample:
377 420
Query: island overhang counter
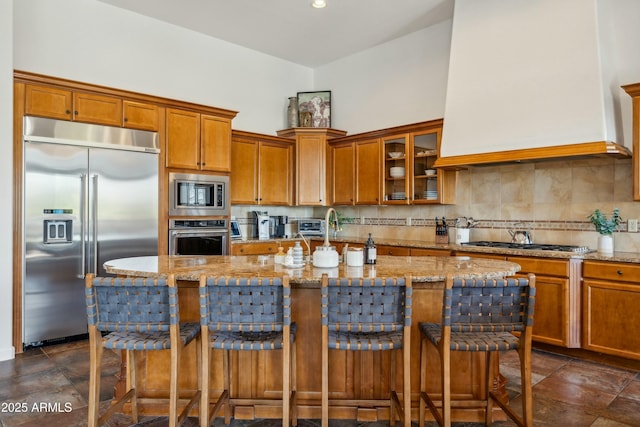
354 375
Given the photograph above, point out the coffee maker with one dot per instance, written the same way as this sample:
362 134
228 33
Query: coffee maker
261 225
279 226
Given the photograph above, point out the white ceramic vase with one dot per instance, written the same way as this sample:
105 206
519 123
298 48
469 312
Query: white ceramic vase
605 244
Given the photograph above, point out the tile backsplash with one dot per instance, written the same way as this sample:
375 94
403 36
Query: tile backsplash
552 199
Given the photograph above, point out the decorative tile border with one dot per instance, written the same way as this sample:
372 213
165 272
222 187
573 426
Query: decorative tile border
486 224
490 224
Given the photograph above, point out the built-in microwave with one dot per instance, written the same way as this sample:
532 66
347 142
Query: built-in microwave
198 195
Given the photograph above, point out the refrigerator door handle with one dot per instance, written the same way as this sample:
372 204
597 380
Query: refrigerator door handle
94 228
83 226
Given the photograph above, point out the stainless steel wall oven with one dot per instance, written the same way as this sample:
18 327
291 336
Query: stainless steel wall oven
198 237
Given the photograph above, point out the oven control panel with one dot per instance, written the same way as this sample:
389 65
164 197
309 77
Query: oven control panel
197 223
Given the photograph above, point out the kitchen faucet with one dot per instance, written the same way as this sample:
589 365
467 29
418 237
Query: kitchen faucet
325 256
326 221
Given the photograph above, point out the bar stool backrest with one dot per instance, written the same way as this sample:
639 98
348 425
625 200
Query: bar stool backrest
488 305
131 304
366 304
252 304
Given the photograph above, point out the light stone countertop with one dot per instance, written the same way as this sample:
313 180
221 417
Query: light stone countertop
422 269
629 257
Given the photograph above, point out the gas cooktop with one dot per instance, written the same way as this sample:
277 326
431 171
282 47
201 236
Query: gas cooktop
531 246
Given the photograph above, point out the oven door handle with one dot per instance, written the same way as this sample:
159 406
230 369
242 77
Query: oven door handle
187 233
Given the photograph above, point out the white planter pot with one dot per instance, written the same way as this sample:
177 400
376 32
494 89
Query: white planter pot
605 244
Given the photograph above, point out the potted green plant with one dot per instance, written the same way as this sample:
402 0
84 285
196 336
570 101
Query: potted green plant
605 226
341 219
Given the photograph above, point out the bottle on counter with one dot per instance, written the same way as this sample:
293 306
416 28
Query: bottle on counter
370 253
279 257
288 258
298 256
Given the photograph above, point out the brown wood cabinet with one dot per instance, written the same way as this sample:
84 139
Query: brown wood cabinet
393 250
261 169
343 181
311 163
409 173
49 102
557 312
430 252
355 172
361 167
610 301
66 104
262 248
198 141
138 115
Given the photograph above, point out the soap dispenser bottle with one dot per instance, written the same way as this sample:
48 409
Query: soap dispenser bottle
370 253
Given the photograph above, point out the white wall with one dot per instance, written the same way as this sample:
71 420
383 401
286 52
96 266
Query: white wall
6 177
90 41
400 82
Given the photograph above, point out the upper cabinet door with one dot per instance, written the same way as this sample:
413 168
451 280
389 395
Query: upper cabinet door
275 174
92 108
183 139
343 174
368 172
311 170
215 144
244 172
48 102
396 169
138 115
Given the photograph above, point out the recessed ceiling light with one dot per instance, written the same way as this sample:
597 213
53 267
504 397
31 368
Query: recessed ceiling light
319 4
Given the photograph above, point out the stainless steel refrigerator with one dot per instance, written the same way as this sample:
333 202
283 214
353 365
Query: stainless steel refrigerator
90 195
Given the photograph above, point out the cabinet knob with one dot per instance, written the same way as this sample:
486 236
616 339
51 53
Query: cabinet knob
75 112
126 119
619 272
67 112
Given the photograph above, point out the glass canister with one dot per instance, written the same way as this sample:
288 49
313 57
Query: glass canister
355 257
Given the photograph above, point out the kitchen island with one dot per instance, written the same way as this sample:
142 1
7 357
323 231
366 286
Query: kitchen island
354 375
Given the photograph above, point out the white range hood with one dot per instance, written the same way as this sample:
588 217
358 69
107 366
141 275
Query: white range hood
527 82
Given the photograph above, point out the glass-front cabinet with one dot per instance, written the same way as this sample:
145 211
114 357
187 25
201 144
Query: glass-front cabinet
396 169
409 173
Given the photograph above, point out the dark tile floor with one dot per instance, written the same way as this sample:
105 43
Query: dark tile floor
47 386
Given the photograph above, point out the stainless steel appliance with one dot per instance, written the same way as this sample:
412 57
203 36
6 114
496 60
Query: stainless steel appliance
198 237
311 227
90 195
277 225
531 246
261 225
198 195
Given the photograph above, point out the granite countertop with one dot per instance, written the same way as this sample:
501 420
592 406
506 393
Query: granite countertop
422 269
630 257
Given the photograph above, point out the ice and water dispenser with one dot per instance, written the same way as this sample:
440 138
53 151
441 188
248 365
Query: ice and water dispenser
57 226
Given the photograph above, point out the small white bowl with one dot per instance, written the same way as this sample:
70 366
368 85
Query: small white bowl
395 154
396 172
429 172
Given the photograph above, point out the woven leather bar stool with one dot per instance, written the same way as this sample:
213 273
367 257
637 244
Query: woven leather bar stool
368 314
480 315
247 314
136 315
